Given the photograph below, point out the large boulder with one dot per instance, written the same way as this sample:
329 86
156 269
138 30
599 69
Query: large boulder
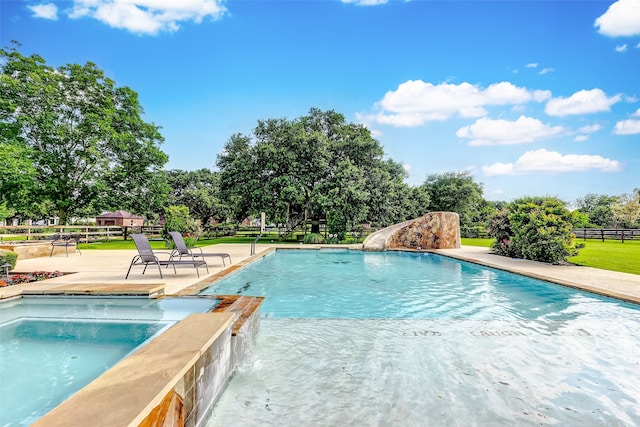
435 230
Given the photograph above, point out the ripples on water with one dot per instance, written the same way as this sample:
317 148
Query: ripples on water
318 284
451 344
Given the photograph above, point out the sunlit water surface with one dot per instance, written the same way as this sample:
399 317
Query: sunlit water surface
386 339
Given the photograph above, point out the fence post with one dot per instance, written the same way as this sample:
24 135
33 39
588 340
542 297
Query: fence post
602 234
623 230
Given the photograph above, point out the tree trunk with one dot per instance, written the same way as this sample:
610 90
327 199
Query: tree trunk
62 216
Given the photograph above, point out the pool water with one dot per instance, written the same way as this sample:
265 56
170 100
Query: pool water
52 347
454 344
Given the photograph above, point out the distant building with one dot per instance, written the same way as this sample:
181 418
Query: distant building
120 218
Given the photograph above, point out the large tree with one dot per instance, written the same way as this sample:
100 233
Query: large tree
599 208
455 192
84 136
626 211
198 190
312 167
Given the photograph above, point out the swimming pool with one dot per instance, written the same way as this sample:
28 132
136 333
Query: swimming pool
448 343
50 347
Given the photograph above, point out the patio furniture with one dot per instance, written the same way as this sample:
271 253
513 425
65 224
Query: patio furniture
182 250
66 240
147 256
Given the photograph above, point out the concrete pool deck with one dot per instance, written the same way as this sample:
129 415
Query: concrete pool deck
97 270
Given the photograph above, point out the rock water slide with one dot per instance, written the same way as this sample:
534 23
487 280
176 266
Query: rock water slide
435 230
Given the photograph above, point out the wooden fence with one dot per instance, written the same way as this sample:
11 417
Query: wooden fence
607 233
89 233
92 233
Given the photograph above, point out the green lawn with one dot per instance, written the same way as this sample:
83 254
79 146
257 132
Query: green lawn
608 255
159 244
477 242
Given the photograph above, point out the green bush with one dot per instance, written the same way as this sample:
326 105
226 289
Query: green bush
313 239
535 228
8 257
177 219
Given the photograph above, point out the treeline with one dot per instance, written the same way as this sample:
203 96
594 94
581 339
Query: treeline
73 144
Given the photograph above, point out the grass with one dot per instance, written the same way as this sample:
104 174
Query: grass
477 242
160 244
610 255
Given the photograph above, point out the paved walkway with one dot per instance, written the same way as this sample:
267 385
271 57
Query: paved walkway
103 269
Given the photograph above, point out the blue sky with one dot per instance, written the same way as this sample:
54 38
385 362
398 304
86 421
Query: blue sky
532 97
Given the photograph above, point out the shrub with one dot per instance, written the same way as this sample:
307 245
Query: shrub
313 239
44 275
16 279
537 228
177 219
8 257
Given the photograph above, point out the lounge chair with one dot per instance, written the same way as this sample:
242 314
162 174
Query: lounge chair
66 240
182 250
146 256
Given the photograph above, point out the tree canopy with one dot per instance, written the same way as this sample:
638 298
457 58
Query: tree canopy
310 167
80 136
199 191
455 192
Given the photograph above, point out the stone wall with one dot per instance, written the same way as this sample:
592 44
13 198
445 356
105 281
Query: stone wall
29 250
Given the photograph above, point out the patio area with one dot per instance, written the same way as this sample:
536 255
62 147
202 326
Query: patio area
100 271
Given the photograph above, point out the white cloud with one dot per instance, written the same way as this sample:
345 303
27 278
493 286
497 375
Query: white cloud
584 132
46 11
544 161
581 102
532 65
590 128
147 16
627 127
636 114
546 70
415 102
621 48
621 19
486 131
